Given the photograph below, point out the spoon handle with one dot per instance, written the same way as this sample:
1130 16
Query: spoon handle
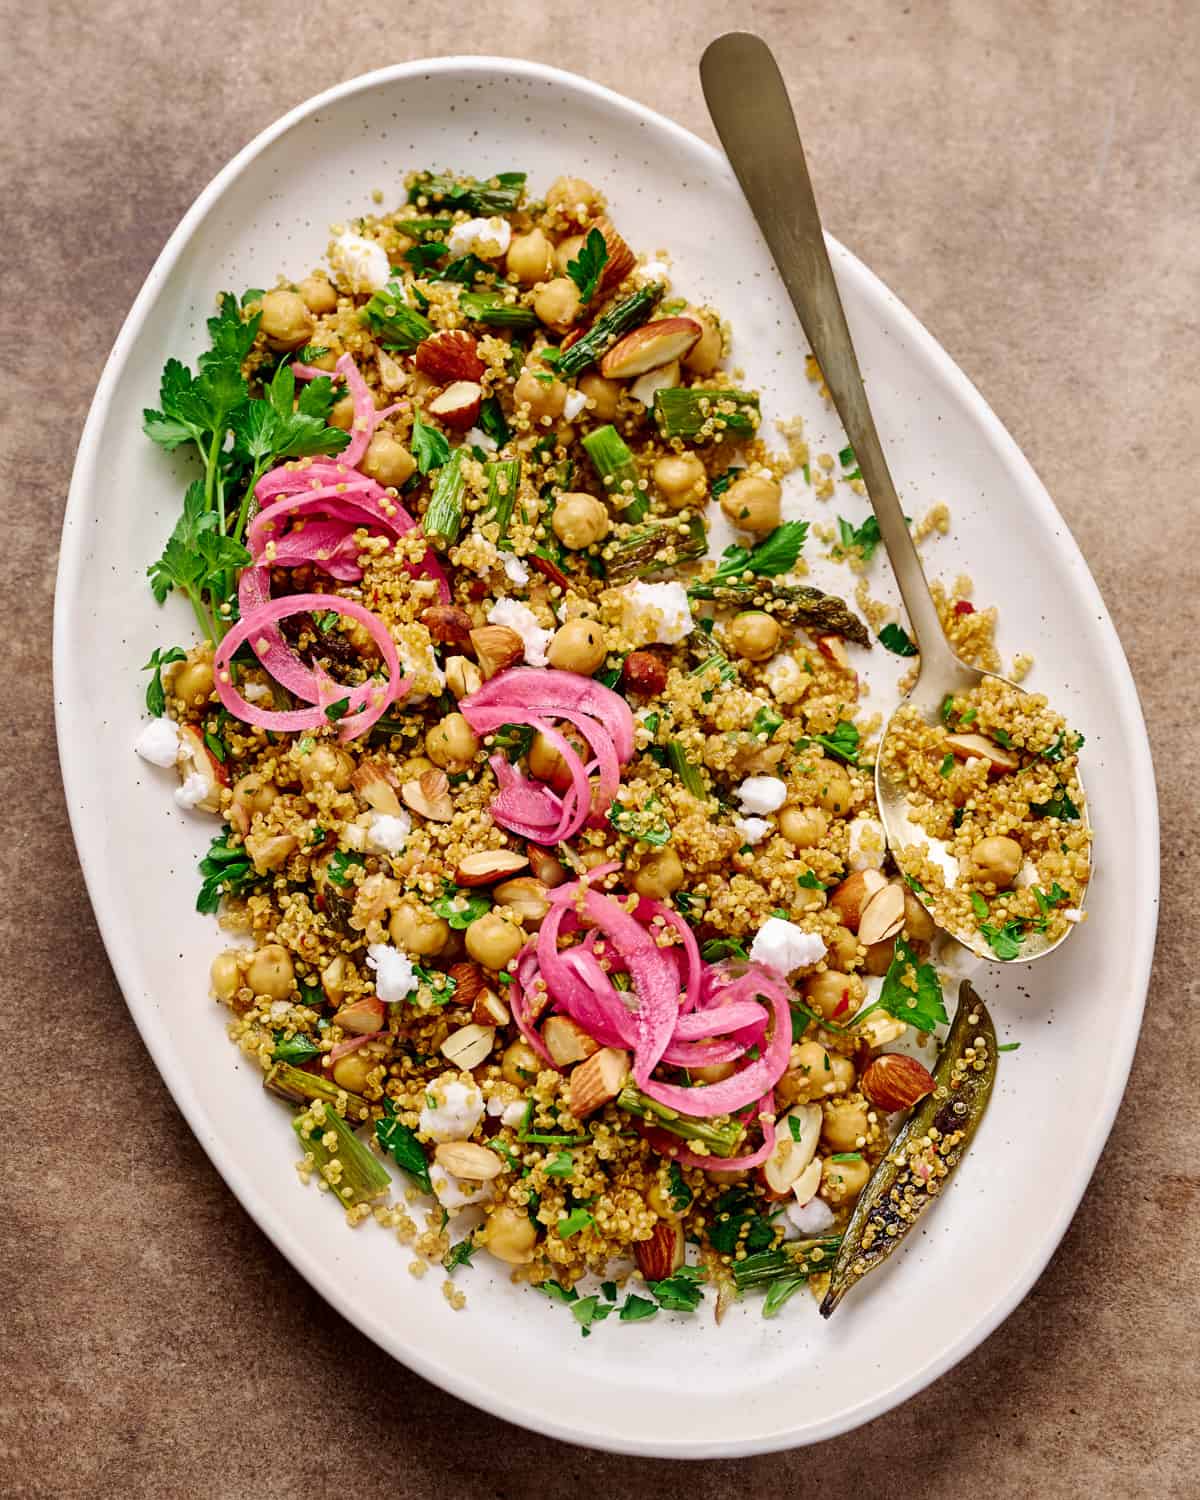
748 102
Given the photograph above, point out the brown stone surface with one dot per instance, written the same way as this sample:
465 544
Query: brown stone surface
1023 174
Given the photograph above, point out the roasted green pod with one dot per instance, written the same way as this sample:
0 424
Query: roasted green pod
927 1150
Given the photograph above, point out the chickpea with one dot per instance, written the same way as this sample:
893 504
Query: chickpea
194 680
414 768
333 979
833 994
327 763
270 972
252 794
286 322
809 1075
843 1181
519 1064
580 520
546 763
713 1072
705 354
681 480
658 874
845 1124
754 634
659 1199
557 303
452 744
879 957
996 861
752 503
353 1071
417 930
226 975
803 827
578 645
574 198
603 394
510 1236
835 792
529 257
319 295
844 1074
388 460
341 413
492 940
918 924
806 899
542 393
843 948
566 251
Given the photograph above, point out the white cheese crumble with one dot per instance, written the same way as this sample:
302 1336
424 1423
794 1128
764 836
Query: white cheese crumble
762 794
361 263
488 238
785 677
781 945
813 1217
521 618
158 742
389 832
477 438
395 976
868 843
752 830
455 1193
574 405
515 570
509 1114
257 692
455 1111
656 270
192 792
656 612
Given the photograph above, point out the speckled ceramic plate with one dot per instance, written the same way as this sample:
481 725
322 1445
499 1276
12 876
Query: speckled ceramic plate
674 1386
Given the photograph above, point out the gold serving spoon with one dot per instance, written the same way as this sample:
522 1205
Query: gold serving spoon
748 102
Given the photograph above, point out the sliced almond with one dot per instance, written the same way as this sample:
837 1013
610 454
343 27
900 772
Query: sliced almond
458 405
979 747
662 1254
362 1017
466 1159
490 1010
806 1185
547 867
527 897
270 850
665 378
470 1045
792 1152
463 677
833 649
496 647
567 1042
376 785
882 916
430 796
850 897
486 866
649 347
595 1082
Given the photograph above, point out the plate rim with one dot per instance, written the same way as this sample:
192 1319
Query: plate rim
1124 698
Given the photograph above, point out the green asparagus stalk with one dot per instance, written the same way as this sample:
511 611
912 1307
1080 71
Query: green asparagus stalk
444 516
801 1259
493 310
717 1139
353 1174
618 472
702 416
654 546
397 325
299 1087
688 774
419 227
503 479
796 603
605 331
499 194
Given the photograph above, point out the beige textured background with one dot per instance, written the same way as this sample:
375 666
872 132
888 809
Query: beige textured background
1024 174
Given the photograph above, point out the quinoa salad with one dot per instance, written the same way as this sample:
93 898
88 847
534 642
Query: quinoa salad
557 911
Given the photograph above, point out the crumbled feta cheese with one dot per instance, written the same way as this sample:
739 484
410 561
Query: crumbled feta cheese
813 1217
656 270
1027 876
515 570
158 742
395 976
574 405
782 945
656 612
455 1193
456 1110
192 792
868 843
521 618
752 830
1073 914
257 692
762 794
665 378
514 1113
361 263
477 438
389 832
785 677
488 238
279 1009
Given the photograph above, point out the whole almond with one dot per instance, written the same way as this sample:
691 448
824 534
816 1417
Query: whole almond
896 1081
466 1159
448 625
596 1081
648 347
469 980
496 648
978 746
527 897
882 916
850 897
463 677
547 867
621 259
486 866
567 1042
662 1254
429 796
458 405
448 355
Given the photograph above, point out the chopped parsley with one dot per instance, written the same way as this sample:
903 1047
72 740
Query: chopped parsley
922 1007
678 1192
572 1223
843 743
396 1138
634 1309
294 1049
459 1255
588 266
776 553
646 824
227 870
460 907
809 881
156 697
1005 942
979 906
947 764
1059 806
341 862
897 640
765 722
588 1311
682 1291
864 538
515 740
561 1165
429 446
718 948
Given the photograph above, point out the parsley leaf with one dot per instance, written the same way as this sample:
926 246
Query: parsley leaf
590 1310
156 697
515 740
678 1192
634 1309
865 537
396 1138
923 1007
646 824
897 639
1059 806
572 1223
766 721
227 870
810 881
429 446
979 906
562 1164
947 764
735 1220
1046 899
842 743
718 948
460 907
294 1049
340 864
1005 941
459 1255
775 554
722 482
682 1291
588 266
492 421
